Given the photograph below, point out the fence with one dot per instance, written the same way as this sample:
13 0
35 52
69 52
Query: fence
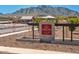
63 29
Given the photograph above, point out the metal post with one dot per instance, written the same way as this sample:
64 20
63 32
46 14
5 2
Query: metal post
71 36
63 33
33 31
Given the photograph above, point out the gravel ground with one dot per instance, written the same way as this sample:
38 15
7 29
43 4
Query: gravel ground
67 46
59 45
28 42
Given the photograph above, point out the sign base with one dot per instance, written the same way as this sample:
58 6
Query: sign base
47 32
47 40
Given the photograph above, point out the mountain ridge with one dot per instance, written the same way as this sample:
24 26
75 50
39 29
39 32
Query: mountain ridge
47 10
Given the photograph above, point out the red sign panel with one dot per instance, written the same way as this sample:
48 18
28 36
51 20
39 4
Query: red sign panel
46 29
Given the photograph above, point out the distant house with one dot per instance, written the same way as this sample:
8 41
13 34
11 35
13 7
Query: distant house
25 19
47 17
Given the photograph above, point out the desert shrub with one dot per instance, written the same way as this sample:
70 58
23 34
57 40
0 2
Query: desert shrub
59 18
72 20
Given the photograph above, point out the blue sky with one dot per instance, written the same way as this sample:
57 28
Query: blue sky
12 8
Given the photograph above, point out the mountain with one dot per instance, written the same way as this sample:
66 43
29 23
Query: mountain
1 13
47 10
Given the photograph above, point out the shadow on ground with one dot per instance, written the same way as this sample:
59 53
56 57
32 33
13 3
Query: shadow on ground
57 41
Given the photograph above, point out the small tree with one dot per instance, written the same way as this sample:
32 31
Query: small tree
59 18
37 20
72 20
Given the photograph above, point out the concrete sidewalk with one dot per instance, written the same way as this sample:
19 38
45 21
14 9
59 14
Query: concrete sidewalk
13 33
27 51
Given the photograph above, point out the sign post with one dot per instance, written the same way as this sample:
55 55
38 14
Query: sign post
46 32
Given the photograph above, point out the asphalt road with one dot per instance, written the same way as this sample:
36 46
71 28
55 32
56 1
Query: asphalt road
8 28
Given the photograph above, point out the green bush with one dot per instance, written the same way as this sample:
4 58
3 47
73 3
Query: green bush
72 20
38 20
59 18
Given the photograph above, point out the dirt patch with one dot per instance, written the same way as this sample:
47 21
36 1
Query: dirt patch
11 41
